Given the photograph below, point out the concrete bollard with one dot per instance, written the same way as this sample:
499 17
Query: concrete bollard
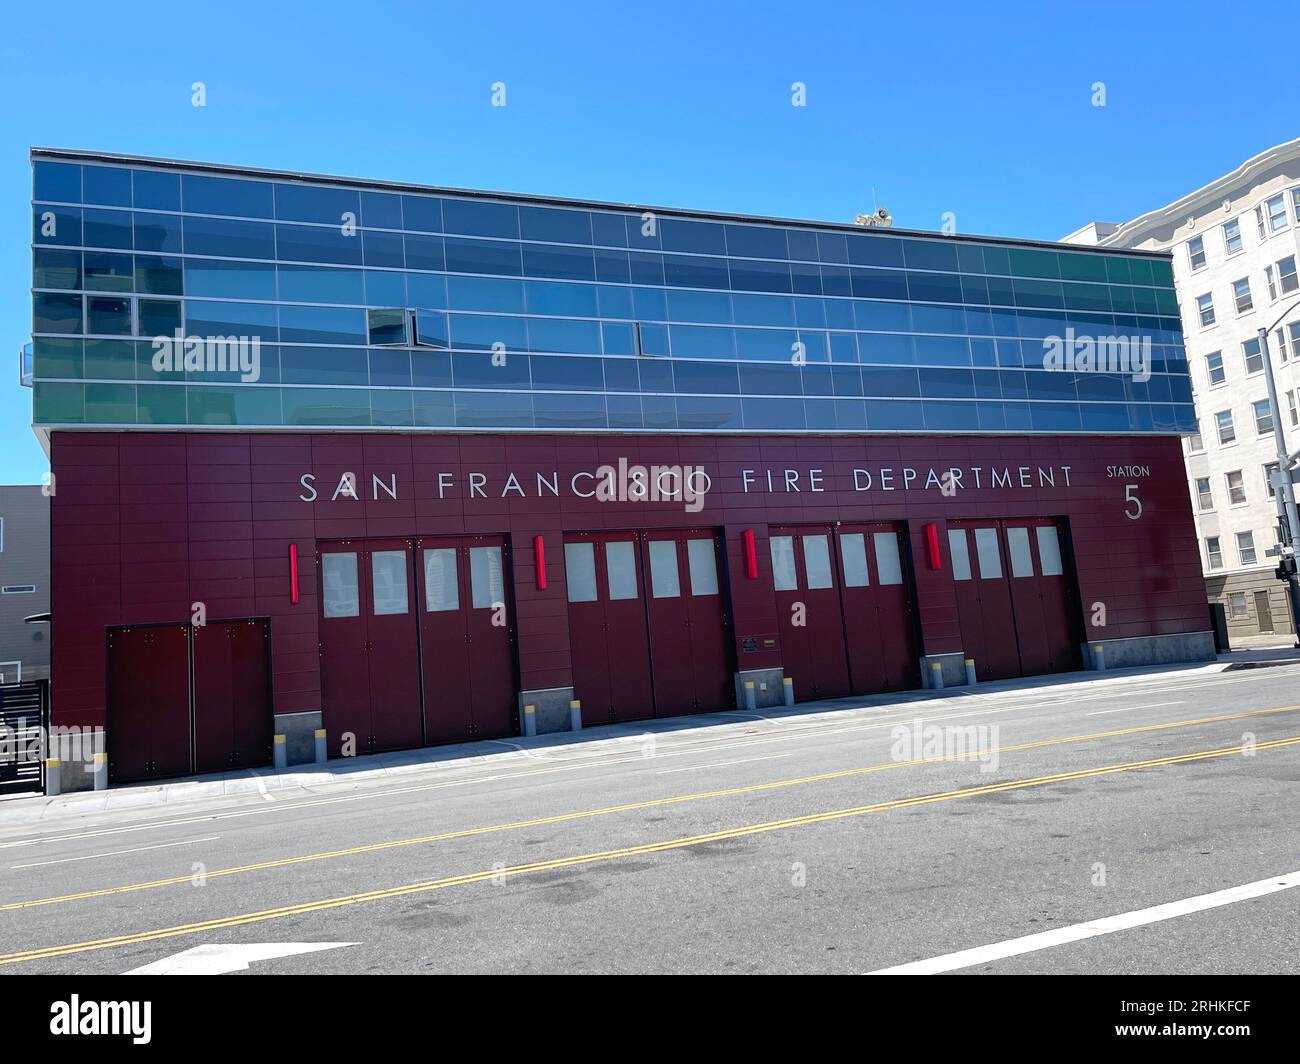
971 678
936 676
530 720
1098 657
100 772
751 697
53 776
322 755
787 687
575 715
279 753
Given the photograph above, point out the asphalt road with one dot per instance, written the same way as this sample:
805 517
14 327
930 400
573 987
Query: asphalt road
808 842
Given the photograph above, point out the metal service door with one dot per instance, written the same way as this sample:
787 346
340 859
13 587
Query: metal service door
608 641
988 624
466 638
394 655
879 622
1041 597
233 721
344 653
809 612
690 651
148 702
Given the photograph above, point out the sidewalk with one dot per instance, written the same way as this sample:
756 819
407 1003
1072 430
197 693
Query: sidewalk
570 747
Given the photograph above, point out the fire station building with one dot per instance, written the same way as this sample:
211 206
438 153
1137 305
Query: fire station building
411 466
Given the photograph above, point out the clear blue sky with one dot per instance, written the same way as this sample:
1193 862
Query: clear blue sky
982 110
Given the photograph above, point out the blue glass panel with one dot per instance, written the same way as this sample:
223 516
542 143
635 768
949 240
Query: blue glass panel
481 331
494 410
59 182
704 238
476 218
326 406
323 325
158 275
427 253
817 381
702 307
836 281
105 271
815 348
107 229
770 380
108 316
1015 384
951 417
942 351
230 319
564 335
624 411
887 381
615 302
158 232
421 214
472 370
54 312
654 339
109 186
386 288
839 314
846 380
886 349
621 376
687 271
1055 417
381 210
809 313
485 293
1103 417
610 230
569 411
618 338
426 290
555 224
659 412
757 242
317 203
874 249
229 196
895 414
761 414
385 249
646 268
988 385
431 369
551 297
929 255
706 377
698 413
483 256
655 376
871 316
316 284
802 244
560 373
324 365
156 190
649 304
243 240
642 232
844 347
391 407
1017 417
947 383
983 353
970 258
833 247
313 243
552 260
612 266
879 284
850 415
934 287
991 416
52 268
806 278
766 344
390 367
749 275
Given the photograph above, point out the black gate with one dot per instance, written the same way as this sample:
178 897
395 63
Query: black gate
24 712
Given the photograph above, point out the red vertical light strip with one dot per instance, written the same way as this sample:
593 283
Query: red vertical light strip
751 555
539 557
932 546
293 573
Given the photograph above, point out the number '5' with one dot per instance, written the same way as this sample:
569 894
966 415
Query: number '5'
1130 497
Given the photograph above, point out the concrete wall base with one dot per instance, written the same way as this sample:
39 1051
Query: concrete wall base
76 753
767 687
299 731
552 714
952 667
1152 650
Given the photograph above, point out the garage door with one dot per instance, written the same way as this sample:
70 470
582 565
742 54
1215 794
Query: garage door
809 612
369 654
148 702
690 651
466 638
879 621
608 639
1014 599
233 719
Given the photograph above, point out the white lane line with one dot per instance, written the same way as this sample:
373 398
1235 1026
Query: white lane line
720 764
114 853
1131 709
218 959
1108 925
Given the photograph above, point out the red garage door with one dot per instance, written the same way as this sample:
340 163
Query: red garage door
233 720
466 638
369 654
809 611
1014 602
148 702
879 623
690 651
608 639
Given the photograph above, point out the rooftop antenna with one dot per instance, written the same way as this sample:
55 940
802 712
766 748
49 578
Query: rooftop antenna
879 216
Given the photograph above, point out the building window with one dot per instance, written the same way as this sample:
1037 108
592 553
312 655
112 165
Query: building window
1214 366
1196 252
387 327
1205 307
1236 487
1204 496
1213 552
1259 222
1253 355
1227 431
1280 336
1293 408
1241 294
1270 282
1195 442
1269 470
1286 274
1276 210
1237 605
1246 547
1295 204
1263 416
1232 236
1293 331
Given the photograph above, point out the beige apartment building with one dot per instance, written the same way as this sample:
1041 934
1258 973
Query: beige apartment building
1235 245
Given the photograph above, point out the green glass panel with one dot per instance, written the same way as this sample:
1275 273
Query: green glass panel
160 404
1117 270
53 268
53 358
1030 262
110 404
58 404
391 407
110 360
326 406
435 408
233 405
1082 267
996 260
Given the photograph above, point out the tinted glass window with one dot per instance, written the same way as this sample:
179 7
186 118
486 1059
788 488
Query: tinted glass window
317 203
986 549
854 554
1049 550
60 182
441 583
889 565
229 196
664 580
157 191
486 578
580 571
473 218
620 567
817 562
107 185
783 571
339 583
702 560
388 581
960 551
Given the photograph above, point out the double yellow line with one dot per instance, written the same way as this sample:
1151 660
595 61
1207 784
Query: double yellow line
629 807
496 874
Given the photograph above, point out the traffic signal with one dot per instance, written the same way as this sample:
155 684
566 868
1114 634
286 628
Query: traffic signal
1287 568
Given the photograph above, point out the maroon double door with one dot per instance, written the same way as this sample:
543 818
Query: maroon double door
648 626
1015 598
416 642
844 602
185 699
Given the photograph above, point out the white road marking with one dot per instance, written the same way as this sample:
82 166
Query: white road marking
115 853
1108 925
230 957
1130 709
721 764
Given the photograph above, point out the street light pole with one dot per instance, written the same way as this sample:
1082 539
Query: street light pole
1284 488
